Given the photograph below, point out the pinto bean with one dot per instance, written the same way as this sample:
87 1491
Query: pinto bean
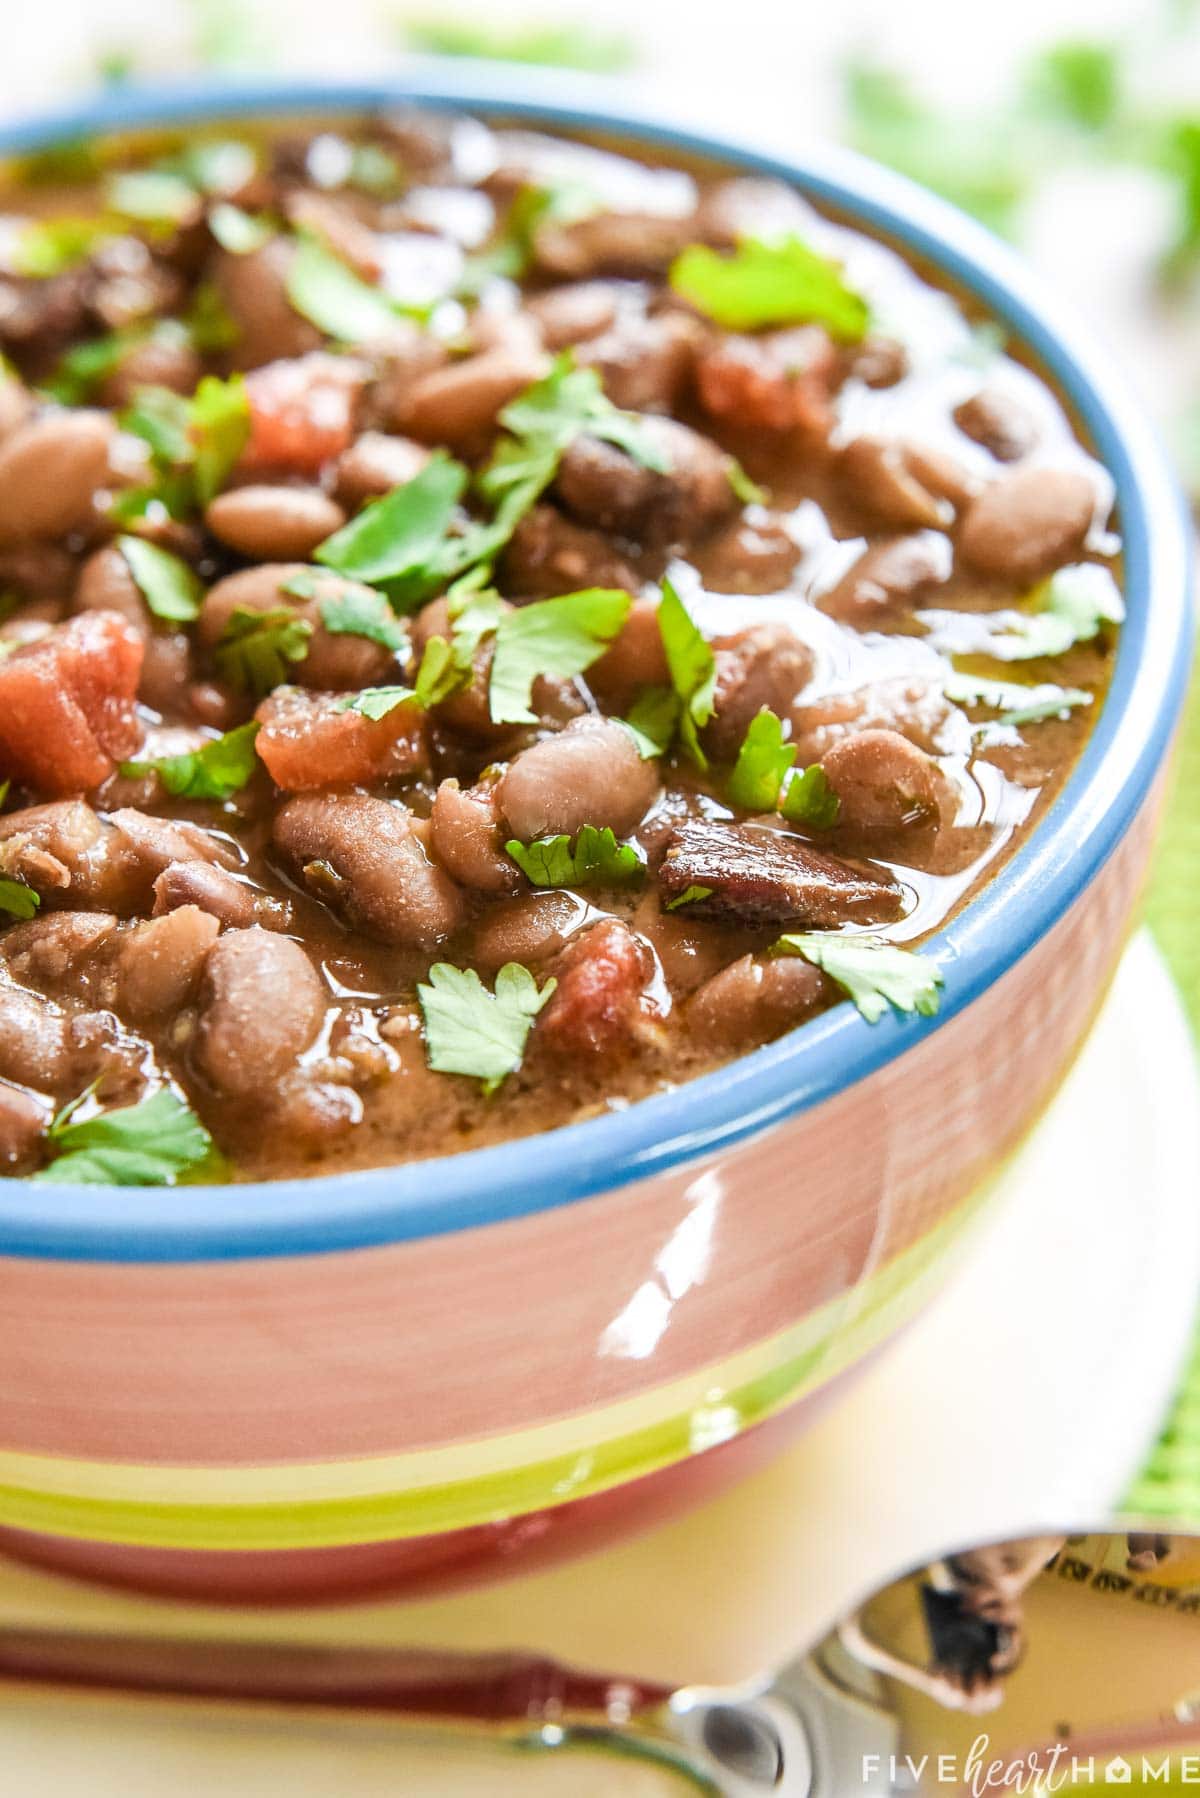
999 421
23 1118
35 1042
589 773
530 930
610 243
50 473
635 657
261 1006
407 361
156 842
599 1007
254 289
906 485
748 555
548 555
755 874
67 704
879 362
274 524
889 577
371 857
16 404
375 463
307 742
43 571
884 782
779 382
1028 523
66 848
335 662
752 1000
158 361
915 707
750 206
106 585
159 962
645 364
331 218
469 711
458 404
466 838
605 487
57 953
577 311
221 895
764 665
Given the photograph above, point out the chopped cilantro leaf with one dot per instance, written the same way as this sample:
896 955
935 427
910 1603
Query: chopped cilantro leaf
403 538
559 637
441 673
50 246
777 283
80 371
256 647
874 973
324 290
693 669
149 1144
689 896
747 491
161 419
218 426
809 799
1015 703
762 763
237 231
471 1031
151 196
1071 607
375 702
217 771
350 610
17 899
171 589
653 720
209 323
596 859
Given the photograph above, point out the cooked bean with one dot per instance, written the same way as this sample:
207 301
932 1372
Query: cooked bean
884 782
156 842
160 960
754 999
580 310
335 661
226 897
465 835
274 524
645 363
749 555
66 848
67 704
375 463
381 875
35 1043
16 404
254 290
999 421
458 404
58 953
548 555
37 570
635 657
764 665
589 773
106 585
331 218
907 485
469 710
755 874
599 1007
610 243
23 1117
158 361
1028 523
782 381
606 487
879 362
917 708
751 206
889 577
261 1005
51 471
529 930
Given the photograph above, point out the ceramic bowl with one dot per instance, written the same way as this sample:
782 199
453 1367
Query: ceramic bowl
455 1369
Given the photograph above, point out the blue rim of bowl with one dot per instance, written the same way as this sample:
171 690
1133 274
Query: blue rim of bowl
332 1211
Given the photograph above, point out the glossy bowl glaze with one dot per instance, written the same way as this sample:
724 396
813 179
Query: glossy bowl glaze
455 1369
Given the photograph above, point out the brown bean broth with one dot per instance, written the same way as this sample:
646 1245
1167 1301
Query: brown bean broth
1003 785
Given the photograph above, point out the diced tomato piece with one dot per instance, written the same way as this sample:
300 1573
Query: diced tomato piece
67 704
307 743
302 411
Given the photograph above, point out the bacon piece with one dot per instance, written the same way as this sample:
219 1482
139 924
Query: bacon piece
67 713
307 743
599 1006
758 875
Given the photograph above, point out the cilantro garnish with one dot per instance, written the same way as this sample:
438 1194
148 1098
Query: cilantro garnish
441 673
1015 703
150 196
171 589
216 771
558 637
350 610
1071 607
809 799
193 443
256 648
218 426
403 539
778 283
236 231
595 859
324 290
693 670
689 896
160 417
762 763
471 1031
874 973
17 899
50 246
652 720
80 370
149 1144
375 702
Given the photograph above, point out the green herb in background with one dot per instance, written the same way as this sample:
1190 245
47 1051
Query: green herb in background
563 46
228 34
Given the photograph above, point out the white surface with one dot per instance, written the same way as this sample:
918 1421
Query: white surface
1027 1395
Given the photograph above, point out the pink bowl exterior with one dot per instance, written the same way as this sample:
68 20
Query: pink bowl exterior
466 1404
